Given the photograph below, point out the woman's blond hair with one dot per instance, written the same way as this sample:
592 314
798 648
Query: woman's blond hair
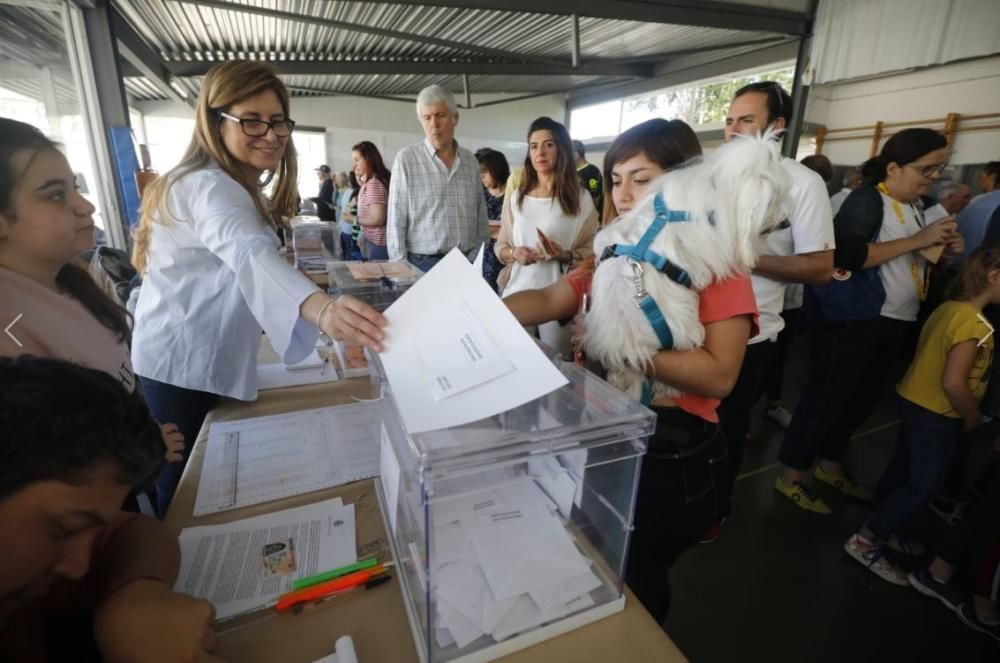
224 85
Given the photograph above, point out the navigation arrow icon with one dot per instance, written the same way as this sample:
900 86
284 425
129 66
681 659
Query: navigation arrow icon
6 330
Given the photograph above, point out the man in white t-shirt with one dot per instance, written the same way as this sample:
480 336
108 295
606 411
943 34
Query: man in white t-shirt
852 180
799 251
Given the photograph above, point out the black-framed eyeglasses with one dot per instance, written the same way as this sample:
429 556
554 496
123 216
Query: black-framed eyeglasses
257 128
928 170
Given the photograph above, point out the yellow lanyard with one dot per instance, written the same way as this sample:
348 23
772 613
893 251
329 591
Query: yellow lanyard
920 277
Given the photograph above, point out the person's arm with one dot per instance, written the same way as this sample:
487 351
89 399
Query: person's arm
376 205
534 307
138 616
955 382
710 370
938 232
809 268
504 247
397 214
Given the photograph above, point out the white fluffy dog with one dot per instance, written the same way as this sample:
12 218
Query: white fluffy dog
713 213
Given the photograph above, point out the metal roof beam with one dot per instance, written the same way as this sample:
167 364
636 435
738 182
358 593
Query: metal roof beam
445 68
143 58
380 32
702 13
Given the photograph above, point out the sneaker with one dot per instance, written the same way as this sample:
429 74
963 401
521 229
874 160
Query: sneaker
713 532
905 545
801 494
949 511
967 613
779 415
872 557
843 482
947 593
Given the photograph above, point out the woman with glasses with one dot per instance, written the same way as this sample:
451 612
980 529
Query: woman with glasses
861 318
213 278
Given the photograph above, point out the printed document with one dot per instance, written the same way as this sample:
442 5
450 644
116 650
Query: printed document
234 567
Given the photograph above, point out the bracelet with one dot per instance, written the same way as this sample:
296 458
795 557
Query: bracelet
319 317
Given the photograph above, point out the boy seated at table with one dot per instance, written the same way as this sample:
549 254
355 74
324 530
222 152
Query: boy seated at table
80 579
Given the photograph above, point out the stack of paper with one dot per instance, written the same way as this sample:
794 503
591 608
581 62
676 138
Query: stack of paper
312 370
245 565
505 564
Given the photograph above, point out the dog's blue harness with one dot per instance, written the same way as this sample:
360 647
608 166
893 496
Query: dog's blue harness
641 253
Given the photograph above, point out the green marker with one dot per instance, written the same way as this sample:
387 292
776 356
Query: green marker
360 565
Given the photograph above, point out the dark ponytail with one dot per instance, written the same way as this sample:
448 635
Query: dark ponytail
73 279
904 147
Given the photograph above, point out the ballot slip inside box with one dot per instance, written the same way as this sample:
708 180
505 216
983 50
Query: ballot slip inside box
376 283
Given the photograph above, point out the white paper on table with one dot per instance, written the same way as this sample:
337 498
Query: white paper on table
257 460
389 474
224 563
523 549
551 598
278 376
460 355
312 361
425 308
477 264
343 652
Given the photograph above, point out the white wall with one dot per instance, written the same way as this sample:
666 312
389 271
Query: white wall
391 125
970 87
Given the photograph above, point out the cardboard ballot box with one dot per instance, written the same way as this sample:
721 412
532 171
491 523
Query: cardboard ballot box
515 528
379 283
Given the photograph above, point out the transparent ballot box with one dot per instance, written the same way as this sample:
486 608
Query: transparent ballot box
378 283
513 529
314 243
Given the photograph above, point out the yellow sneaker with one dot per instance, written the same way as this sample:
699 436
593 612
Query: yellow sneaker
801 494
843 482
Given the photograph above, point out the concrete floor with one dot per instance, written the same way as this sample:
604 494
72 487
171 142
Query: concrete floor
777 585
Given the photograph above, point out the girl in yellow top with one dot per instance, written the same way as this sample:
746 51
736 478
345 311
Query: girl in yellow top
938 400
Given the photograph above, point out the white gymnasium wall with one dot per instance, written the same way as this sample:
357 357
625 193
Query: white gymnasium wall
391 125
968 88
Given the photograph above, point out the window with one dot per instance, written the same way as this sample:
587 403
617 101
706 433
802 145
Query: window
311 148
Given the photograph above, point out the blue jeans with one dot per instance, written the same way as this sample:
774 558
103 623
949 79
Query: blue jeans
187 409
923 452
349 247
424 262
376 252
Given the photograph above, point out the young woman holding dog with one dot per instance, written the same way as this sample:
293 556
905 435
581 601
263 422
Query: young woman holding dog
686 458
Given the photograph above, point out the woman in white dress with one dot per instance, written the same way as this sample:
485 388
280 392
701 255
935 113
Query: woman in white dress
208 251
547 224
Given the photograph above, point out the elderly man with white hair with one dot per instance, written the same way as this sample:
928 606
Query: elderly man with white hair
436 198
951 201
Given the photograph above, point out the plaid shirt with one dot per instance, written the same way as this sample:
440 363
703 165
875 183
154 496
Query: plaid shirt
432 210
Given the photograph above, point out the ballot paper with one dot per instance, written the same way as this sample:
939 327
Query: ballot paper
477 264
251 461
225 564
429 309
504 564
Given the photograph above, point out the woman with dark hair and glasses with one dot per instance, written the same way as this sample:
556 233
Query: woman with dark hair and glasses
208 252
548 223
862 316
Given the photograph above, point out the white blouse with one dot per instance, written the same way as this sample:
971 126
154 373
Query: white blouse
214 280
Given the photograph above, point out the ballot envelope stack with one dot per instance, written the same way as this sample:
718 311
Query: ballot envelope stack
377 283
515 528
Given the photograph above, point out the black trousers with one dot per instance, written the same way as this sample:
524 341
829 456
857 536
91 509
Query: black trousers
775 378
677 502
849 364
734 411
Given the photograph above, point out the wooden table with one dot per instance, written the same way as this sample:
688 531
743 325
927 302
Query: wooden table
376 620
